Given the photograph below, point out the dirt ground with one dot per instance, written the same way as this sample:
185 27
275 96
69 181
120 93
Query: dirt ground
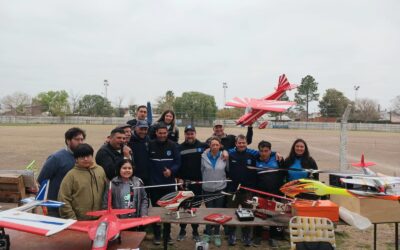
20 144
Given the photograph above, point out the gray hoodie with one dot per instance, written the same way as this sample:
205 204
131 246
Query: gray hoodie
213 174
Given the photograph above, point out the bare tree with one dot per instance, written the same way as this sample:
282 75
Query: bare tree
74 101
396 105
366 110
118 105
17 102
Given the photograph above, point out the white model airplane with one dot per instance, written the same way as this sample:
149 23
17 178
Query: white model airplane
19 219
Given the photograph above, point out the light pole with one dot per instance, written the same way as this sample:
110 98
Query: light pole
106 84
356 88
224 86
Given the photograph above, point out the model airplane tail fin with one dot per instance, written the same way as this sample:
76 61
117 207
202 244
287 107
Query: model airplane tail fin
43 191
283 86
362 163
149 113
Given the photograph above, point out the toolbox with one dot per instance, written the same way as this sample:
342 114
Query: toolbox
319 208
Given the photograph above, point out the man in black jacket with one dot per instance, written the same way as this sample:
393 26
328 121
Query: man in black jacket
164 163
228 141
190 170
111 153
139 144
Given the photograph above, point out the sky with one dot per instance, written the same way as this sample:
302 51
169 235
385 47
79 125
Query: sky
145 48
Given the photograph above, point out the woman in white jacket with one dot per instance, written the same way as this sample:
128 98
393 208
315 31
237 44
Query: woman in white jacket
213 168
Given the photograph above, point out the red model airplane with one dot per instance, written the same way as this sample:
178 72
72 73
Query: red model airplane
108 226
255 108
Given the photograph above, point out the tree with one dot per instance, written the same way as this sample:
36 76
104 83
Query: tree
306 93
119 111
95 105
17 102
54 102
74 101
396 105
333 103
230 113
165 102
365 110
195 105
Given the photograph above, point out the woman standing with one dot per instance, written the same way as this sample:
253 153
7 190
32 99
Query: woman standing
299 158
168 119
125 192
213 168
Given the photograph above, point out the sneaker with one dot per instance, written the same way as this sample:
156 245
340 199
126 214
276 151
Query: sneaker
246 241
157 240
257 242
170 241
206 238
232 240
181 235
272 243
217 240
196 237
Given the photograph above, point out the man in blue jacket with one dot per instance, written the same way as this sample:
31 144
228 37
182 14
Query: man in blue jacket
58 164
164 163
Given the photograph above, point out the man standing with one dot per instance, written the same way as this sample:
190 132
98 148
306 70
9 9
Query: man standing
112 152
141 115
228 141
164 164
139 144
191 150
271 183
58 164
239 158
83 187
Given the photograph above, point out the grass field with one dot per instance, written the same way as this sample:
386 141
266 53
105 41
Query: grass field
19 145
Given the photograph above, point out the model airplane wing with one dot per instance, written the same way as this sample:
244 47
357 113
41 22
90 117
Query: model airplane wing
384 180
136 222
33 223
363 181
82 226
259 104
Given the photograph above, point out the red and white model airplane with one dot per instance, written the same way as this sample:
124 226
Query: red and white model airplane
255 108
108 226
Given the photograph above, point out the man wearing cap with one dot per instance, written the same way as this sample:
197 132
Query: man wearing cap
190 170
112 152
228 141
139 143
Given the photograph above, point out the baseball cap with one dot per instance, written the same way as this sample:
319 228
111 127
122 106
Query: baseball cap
190 128
142 124
218 123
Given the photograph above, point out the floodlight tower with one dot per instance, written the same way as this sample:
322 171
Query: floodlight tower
106 84
356 88
224 86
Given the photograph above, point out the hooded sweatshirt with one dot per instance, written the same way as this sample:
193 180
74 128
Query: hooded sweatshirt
82 191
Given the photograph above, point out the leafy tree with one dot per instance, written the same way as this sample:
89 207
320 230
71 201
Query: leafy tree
165 102
17 102
306 93
74 101
132 109
54 102
366 110
333 103
230 113
95 105
195 105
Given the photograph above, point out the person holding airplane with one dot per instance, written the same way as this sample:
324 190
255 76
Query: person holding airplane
228 141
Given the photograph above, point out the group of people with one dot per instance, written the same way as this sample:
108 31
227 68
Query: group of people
138 154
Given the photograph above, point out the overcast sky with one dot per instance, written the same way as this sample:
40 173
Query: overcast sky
144 48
